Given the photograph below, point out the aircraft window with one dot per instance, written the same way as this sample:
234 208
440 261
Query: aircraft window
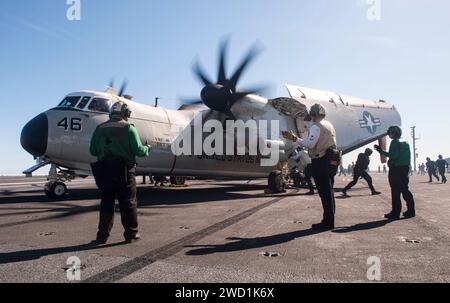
100 105
83 102
69 101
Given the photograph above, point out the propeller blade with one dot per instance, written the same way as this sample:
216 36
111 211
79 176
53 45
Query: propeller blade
190 100
252 91
198 102
188 107
251 55
111 83
123 88
222 77
258 90
198 71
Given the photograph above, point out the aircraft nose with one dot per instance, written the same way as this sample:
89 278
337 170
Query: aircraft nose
34 136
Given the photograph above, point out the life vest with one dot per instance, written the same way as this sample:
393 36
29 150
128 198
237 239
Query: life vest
327 140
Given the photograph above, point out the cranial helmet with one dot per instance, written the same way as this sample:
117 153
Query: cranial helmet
317 110
395 131
120 109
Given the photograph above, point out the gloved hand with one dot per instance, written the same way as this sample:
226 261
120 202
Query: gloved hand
377 148
290 136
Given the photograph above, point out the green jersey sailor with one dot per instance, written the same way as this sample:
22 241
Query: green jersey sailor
116 144
399 165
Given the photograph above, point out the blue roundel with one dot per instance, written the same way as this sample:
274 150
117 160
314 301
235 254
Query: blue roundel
369 122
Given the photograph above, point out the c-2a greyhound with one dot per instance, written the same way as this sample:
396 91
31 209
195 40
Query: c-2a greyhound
60 137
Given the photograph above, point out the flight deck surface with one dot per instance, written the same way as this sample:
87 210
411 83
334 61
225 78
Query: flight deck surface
224 231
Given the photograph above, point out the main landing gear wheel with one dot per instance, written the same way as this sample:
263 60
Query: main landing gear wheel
178 181
277 183
56 190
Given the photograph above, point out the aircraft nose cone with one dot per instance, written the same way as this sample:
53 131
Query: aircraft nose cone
34 136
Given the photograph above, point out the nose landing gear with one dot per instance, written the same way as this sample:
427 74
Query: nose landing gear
55 187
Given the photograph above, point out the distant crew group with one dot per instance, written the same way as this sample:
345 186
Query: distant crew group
433 168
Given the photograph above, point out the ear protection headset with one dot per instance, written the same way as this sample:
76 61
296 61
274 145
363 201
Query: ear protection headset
395 131
125 111
122 109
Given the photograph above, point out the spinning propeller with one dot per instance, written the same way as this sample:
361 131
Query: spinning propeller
121 92
222 95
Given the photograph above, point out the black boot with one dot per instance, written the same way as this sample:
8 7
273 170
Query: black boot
392 216
409 214
99 241
133 239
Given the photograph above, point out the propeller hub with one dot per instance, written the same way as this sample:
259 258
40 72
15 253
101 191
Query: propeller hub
216 96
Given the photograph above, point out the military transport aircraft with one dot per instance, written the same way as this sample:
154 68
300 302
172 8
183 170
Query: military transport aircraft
60 137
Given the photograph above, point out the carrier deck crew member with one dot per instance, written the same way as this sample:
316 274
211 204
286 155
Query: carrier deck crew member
320 142
399 163
360 171
116 143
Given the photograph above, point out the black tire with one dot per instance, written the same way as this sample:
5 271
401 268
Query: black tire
177 181
277 183
58 190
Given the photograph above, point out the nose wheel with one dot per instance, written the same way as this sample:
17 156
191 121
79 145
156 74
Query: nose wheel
177 181
55 190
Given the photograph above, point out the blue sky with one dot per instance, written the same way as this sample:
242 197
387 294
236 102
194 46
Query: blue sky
330 45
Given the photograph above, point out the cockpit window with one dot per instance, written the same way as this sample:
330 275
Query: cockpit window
100 105
83 102
70 101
